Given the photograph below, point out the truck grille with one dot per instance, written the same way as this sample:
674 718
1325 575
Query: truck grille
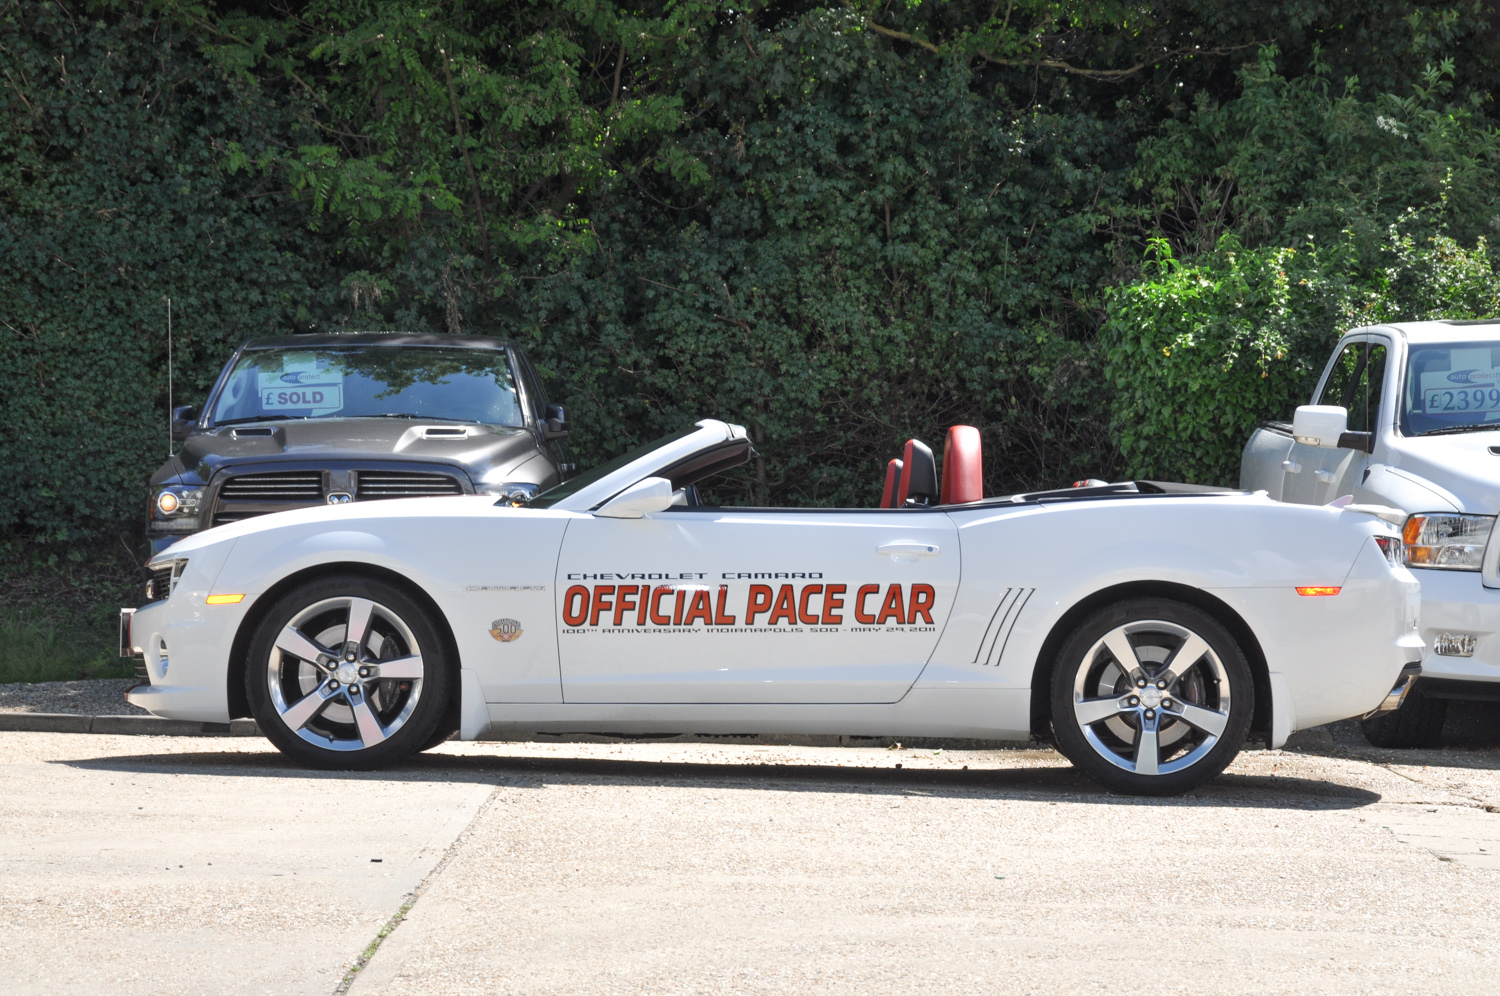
401 484
247 495
289 486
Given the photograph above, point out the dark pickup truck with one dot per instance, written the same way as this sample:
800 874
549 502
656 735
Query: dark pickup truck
305 420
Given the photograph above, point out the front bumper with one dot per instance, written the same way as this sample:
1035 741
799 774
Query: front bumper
1457 602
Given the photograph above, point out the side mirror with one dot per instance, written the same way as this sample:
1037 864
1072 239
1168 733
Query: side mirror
1320 425
557 425
654 494
182 421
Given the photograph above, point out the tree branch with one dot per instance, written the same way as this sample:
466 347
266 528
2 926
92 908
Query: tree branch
1058 64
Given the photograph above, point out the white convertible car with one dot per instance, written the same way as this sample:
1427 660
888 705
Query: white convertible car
1149 631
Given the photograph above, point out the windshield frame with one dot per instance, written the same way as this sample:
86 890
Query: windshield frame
1403 420
205 419
647 460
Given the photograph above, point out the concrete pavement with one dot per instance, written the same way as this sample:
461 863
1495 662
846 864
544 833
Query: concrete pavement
686 868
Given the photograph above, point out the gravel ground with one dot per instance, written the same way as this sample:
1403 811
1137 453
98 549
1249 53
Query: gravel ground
101 697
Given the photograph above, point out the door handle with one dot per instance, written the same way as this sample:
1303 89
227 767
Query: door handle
907 550
1326 476
1291 466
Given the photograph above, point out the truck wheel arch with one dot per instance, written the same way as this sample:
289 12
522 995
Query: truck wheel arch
1041 676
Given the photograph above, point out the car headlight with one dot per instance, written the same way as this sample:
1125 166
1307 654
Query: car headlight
162 577
175 508
1446 541
514 490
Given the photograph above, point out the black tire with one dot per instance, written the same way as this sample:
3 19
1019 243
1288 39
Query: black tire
1417 722
320 721
439 736
1214 689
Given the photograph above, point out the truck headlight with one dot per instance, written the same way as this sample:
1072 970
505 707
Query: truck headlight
175 508
1446 541
514 490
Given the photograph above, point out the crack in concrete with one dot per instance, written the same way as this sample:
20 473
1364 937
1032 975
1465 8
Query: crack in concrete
410 899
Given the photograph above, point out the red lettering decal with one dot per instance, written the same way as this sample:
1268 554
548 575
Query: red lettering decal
760 601
865 591
832 602
722 618
640 610
677 612
625 600
922 597
602 601
699 609
892 608
802 613
570 616
657 616
785 608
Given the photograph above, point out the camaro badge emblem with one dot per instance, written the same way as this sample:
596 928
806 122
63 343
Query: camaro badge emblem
505 630
339 498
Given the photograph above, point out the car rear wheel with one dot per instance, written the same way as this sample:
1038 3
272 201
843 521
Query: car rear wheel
348 673
1151 697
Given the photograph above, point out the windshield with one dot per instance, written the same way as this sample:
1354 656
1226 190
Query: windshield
573 485
427 382
1451 386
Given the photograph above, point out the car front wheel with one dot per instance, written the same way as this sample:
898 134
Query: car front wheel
347 673
1151 696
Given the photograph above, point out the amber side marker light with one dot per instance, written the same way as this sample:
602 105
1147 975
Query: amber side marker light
1312 590
231 599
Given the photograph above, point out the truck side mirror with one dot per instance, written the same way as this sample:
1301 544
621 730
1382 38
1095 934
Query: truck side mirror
1320 425
557 425
182 421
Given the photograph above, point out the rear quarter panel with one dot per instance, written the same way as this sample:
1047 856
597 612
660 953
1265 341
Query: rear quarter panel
1249 551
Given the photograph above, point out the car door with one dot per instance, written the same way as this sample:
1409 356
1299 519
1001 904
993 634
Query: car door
1357 386
753 605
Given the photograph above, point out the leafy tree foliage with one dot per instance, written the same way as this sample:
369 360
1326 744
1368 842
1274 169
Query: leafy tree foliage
841 225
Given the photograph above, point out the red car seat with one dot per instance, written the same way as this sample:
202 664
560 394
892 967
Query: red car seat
892 484
963 466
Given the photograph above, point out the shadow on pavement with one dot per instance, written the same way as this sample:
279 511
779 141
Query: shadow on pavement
1471 739
1052 783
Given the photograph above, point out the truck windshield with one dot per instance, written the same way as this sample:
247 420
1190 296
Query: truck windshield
1451 387
423 382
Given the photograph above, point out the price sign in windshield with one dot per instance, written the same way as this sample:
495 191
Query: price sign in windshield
302 396
1442 401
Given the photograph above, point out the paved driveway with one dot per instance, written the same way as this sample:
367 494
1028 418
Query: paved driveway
157 865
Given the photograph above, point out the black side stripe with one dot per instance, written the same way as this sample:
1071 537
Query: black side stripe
1001 623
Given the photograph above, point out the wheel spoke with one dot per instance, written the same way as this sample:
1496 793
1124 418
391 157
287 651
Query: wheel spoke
1192 650
370 732
400 667
1146 748
1204 719
300 713
292 642
1091 711
360 610
1123 653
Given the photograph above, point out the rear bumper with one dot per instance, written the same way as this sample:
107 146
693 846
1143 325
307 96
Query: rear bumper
1457 602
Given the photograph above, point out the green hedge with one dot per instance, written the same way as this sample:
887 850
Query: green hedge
840 225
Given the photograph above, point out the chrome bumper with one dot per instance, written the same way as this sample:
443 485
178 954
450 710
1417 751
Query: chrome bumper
1397 694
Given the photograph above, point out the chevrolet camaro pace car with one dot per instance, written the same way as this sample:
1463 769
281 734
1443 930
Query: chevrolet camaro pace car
1149 631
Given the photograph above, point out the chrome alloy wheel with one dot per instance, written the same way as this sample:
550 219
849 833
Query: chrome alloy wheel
1152 697
345 673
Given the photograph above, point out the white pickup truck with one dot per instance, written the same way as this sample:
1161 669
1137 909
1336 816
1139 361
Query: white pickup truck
1408 416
